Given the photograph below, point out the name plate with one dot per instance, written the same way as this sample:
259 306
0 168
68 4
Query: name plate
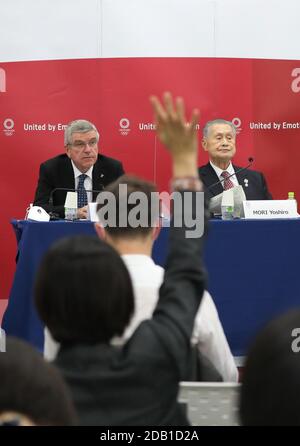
270 209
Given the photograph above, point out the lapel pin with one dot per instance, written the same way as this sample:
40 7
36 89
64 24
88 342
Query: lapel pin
246 182
102 175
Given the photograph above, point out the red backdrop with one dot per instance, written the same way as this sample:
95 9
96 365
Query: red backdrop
105 91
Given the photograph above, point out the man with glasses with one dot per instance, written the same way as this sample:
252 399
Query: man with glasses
81 168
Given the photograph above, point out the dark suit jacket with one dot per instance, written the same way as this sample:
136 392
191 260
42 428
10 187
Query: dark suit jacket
58 173
137 384
257 188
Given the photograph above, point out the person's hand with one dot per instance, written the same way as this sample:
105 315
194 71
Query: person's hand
179 136
82 213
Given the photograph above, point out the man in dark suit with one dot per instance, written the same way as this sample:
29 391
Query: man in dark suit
219 140
81 168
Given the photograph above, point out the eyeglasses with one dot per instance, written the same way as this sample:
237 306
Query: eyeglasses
80 145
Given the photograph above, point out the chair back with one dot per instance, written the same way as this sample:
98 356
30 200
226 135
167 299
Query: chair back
210 403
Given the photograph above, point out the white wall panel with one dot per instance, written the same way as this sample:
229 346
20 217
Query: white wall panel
158 28
258 29
49 29
70 29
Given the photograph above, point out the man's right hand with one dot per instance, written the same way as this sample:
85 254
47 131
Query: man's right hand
82 213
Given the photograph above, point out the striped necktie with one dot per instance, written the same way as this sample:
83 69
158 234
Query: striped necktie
227 183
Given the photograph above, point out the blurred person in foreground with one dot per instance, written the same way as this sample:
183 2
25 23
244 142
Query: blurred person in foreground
271 378
32 391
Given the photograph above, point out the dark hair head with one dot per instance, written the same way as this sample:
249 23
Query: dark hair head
32 387
142 193
83 291
271 378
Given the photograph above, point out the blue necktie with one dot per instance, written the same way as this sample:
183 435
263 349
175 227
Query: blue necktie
82 196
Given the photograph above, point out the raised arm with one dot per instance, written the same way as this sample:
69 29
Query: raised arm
184 281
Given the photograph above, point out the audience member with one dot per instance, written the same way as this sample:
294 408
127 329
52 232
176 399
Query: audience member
32 391
271 383
135 246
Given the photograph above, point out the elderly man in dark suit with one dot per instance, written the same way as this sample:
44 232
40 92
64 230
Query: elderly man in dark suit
81 168
219 140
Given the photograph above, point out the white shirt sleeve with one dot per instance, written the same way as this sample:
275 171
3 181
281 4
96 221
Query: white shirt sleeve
51 347
210 338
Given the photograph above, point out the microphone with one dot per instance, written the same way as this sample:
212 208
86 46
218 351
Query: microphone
68 189
61 189
250 161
